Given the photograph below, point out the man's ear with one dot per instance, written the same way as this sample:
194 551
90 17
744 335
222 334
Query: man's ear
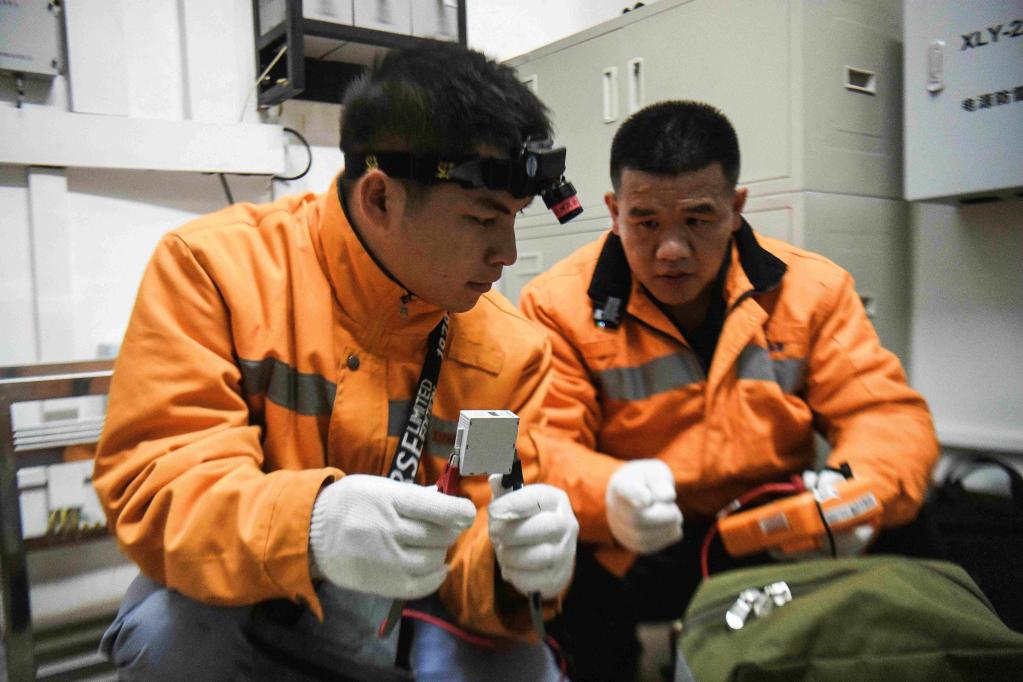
373 192
738 203
611 201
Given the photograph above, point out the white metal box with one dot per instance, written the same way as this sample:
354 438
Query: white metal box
485 441
393 16
28 38
963 99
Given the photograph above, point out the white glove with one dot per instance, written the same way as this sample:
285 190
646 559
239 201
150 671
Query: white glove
852 542
533 531
641 509
376 535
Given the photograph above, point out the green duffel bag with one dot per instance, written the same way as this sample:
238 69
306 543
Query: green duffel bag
865 618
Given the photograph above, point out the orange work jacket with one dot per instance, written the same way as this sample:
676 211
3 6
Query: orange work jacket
267 356
796 351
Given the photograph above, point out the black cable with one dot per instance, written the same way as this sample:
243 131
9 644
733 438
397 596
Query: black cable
827 528
309 163
227 188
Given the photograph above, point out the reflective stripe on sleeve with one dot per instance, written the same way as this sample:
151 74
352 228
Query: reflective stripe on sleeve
308 394
657 376
756 363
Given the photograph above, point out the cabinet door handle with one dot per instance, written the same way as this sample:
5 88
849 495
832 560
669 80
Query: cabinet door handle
609 80
636 95
532 81
935 66
860 80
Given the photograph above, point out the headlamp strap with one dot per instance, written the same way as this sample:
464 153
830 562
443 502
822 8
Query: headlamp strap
424 168
534 172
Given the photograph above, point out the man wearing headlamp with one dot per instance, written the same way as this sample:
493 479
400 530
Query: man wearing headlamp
253 462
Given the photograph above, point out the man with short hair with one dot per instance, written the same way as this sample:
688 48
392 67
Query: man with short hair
694 360
287 395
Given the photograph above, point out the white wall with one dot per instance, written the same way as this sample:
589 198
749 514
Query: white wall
17 306
968 321
115 219
77 238
506 28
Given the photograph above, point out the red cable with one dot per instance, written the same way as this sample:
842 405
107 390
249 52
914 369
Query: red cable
705 550
795 486
767 488
449 483
560 655
480 640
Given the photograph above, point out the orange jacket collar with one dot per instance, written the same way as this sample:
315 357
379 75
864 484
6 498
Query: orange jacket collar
365 294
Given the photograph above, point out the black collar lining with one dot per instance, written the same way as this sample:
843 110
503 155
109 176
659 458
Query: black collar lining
612 278
351 222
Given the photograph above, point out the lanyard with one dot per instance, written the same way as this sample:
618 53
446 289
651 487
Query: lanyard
413 437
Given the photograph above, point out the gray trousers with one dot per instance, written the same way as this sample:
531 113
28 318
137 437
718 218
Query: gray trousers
160 634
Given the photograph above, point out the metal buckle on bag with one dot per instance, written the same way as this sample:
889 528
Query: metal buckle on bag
757 602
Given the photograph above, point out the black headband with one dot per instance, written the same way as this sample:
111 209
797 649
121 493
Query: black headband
534 171
536 168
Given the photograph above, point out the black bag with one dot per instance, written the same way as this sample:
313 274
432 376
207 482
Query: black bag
983 533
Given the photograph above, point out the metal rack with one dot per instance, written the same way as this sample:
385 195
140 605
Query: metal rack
31 383
288 69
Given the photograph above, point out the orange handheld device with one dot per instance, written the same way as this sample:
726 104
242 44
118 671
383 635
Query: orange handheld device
799 523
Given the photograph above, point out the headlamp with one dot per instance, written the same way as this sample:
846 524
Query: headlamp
536 168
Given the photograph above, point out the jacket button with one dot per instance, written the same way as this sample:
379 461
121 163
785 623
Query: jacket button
353 362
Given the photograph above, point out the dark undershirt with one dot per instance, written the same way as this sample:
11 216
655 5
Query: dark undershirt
704 338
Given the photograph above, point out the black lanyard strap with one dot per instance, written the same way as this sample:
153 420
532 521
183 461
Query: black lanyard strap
413 437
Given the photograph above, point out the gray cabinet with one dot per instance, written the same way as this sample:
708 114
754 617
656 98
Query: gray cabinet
813 88
865 235
814 92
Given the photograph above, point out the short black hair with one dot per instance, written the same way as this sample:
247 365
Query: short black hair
675 137
443 98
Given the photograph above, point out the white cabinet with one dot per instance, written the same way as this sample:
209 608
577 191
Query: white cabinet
964 99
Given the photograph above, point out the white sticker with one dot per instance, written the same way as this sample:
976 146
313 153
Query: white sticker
850 510
774 524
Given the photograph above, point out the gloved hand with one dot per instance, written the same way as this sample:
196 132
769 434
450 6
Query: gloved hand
852 542
533 531
641 509
376 535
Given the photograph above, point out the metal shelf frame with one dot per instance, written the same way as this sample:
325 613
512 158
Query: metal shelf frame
30 383
287 77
